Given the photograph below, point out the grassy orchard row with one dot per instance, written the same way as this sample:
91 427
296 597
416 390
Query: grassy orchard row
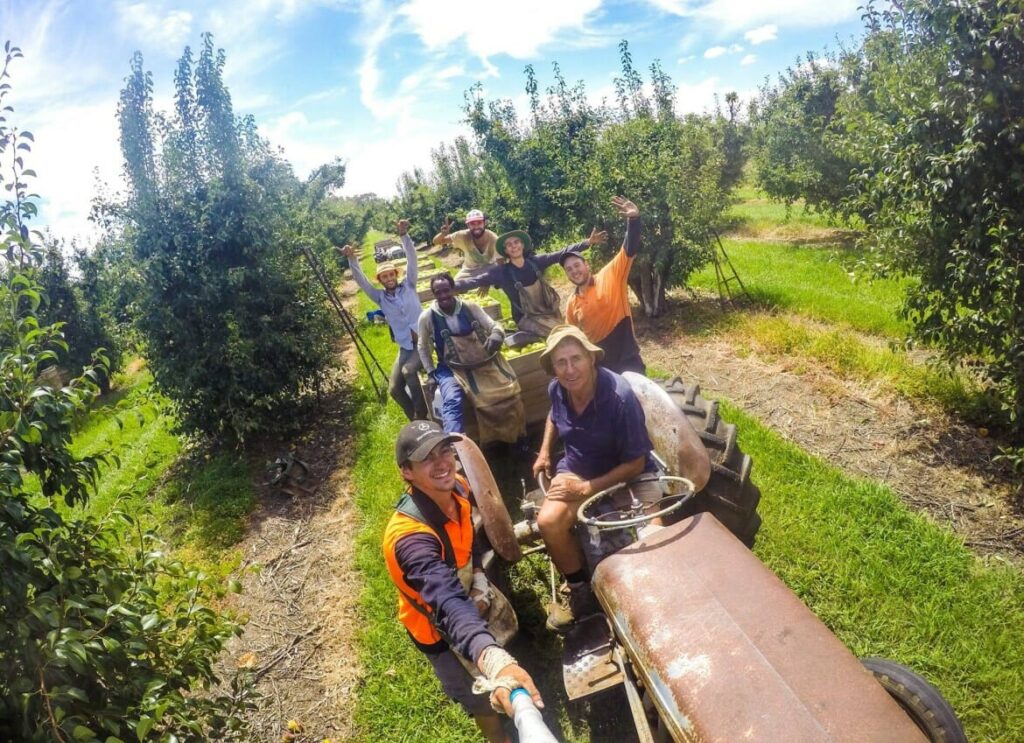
817 305
200 507
887 581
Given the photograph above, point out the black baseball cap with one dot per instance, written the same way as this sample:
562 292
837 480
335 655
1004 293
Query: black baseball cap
418 438
570 254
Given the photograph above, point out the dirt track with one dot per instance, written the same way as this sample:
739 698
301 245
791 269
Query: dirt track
935 463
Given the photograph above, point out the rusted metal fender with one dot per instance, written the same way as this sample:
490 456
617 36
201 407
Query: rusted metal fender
497 522
671 432
729 653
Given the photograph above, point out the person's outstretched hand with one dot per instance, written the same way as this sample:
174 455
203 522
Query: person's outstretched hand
626 207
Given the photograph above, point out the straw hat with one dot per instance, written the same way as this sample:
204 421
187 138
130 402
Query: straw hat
562 333
384 268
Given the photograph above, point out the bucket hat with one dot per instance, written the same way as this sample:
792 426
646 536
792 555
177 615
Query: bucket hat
527 242
562 333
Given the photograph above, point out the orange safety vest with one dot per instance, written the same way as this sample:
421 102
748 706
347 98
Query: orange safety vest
456 551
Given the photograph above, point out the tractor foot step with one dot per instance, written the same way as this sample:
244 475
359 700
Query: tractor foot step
588 663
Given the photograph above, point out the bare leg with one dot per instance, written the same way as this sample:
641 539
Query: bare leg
555 520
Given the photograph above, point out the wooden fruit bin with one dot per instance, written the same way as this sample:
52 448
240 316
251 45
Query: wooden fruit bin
533 383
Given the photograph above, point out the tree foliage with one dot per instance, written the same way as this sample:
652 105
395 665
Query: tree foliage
946 119
101 639
565 163
233 325
797 152
75 302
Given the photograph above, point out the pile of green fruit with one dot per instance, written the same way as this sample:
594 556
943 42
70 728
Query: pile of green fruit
511 353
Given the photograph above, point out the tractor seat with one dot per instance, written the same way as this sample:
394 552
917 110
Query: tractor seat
729 653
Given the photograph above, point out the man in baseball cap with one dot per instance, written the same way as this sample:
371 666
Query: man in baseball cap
476 243
600 304
443 594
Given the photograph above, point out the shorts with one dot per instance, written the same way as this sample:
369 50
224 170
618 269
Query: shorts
645 487
458 683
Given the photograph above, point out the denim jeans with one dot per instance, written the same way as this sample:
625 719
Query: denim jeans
451 401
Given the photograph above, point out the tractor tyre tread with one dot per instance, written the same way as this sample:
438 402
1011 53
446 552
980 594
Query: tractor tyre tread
730 495
922 702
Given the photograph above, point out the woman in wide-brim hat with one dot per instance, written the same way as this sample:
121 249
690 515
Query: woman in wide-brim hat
536 305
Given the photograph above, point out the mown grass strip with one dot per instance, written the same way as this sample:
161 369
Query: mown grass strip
813 281
753 212
891 583
200 507
850 356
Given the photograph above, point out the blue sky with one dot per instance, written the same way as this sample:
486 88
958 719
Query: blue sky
376 83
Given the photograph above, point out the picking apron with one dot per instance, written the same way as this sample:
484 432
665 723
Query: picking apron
490 384
541 306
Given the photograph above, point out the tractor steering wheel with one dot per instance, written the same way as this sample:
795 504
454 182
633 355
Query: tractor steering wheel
634 514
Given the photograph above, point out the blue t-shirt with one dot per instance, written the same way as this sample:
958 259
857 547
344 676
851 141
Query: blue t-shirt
610 431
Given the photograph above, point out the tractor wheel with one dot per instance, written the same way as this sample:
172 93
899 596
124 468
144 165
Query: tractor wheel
919 699
730 495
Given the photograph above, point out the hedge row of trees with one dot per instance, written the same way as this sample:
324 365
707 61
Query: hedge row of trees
102 636
919 133
555 173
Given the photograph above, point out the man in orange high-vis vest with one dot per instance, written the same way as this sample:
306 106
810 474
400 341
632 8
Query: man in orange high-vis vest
600 305
442 591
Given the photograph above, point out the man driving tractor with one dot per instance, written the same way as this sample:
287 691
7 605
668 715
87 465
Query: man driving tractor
443 594
469 364
602 425
536 306
476 243
600 304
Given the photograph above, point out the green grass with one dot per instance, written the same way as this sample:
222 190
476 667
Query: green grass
200 505
752 212
813 281
850 356
890 583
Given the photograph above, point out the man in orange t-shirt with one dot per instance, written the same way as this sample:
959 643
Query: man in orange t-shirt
600 304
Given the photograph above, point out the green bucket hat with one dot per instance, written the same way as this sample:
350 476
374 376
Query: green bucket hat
527 242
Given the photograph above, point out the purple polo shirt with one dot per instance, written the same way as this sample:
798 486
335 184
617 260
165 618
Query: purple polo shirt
609 432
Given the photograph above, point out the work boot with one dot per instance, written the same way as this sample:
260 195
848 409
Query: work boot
582 604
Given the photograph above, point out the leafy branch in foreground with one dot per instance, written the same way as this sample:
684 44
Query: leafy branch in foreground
102 636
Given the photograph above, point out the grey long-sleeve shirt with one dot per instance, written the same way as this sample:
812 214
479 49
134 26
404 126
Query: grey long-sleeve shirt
426 330
401 307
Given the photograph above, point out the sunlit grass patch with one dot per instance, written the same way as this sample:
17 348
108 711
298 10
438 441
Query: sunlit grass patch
814 281
851 355
198 504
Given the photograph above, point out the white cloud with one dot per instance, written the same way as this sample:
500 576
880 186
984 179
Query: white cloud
165 29
748 60
697 97
714 52
493 27
735 49
734 14
68 158
687 58
761 34
731 15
